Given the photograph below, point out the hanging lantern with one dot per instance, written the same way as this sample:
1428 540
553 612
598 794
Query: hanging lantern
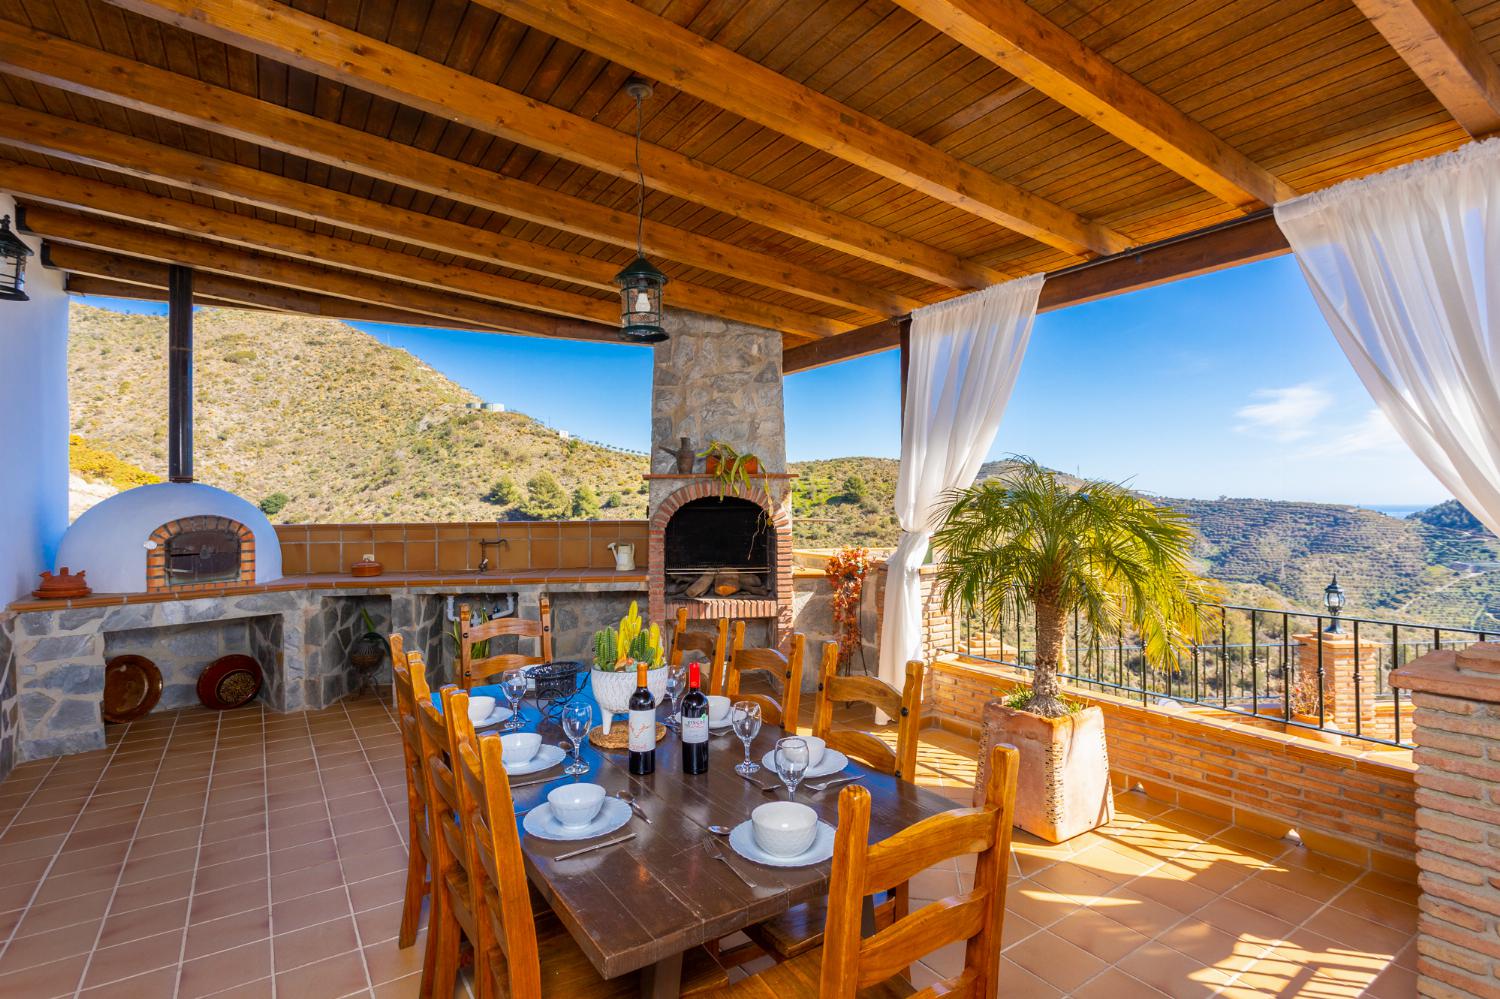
640 302
640 282
13 254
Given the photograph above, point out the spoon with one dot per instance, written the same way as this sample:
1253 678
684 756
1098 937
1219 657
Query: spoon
720 830
629 799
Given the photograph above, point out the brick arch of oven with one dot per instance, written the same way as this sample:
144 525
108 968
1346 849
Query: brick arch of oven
156 552
778 511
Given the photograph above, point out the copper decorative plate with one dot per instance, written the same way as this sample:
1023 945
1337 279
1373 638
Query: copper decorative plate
230 681
132 686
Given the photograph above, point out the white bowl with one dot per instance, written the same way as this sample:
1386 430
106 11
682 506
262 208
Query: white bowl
519 747
576 805
784 828
815 749
480 708
718 707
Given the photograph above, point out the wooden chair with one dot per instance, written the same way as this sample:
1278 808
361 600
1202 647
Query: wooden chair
800 928
522 951
713 643
848 965
785 669
472 670
452 918
419 844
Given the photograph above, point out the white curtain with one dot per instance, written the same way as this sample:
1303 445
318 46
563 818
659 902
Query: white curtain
965 354
1406 268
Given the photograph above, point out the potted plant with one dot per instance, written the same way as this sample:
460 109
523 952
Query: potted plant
368 652
729 467
617 651
1029 541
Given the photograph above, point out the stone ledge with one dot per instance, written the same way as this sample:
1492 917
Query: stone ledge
1442 672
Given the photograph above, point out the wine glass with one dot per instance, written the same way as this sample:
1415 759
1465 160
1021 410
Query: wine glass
513 686
791 763
676 679
576 719
745 716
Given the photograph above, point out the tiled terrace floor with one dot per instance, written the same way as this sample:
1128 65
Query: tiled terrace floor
247 855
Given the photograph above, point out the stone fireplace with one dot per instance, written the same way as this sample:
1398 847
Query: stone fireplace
720 552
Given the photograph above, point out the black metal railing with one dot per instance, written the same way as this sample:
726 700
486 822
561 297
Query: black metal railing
1276 666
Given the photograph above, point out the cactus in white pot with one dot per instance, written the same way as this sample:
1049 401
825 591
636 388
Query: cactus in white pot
616 652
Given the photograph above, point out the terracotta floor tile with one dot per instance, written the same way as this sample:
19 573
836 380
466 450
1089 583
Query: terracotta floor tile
127 960
1098 934
1018 982
318 828
160 982
227 933
1115 984
55 915
214 974
1214 947
377 891
157 890
123 927
50 946
313 943
334 976
1389 912
1055 961
45 981
228 901
1172 972
305 911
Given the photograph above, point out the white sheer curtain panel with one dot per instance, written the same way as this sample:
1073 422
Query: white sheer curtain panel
965 354
1406 268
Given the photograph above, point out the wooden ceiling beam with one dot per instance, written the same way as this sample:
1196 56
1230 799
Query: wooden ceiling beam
153 245
98 147
286 35
1441 48
633 36
1212 249
218 290
1014 36
48 59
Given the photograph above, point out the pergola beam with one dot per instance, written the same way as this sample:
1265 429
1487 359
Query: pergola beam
43 58
289 36
633 36
1014 36
230 293
1212 249
75 229
1441 48
98 147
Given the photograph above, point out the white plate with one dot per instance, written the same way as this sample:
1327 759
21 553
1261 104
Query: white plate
540 822
832 762
547 756
742 841
495 718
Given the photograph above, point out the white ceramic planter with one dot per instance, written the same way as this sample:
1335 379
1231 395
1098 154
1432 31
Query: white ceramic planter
612 690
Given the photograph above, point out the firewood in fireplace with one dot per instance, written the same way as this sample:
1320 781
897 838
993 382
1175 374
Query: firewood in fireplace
700 586
727 583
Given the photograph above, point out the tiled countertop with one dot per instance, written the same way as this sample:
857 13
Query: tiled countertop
344 581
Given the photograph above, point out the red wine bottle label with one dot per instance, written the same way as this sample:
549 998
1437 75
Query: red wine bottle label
642 731
695 729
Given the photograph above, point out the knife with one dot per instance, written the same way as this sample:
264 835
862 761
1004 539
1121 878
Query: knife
597 846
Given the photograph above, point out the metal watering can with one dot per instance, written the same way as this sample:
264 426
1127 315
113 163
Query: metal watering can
624 555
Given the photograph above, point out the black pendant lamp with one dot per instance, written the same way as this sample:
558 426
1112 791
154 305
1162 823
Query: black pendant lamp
13 254
640 282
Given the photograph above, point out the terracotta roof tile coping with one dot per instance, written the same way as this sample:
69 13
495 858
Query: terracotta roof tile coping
342 581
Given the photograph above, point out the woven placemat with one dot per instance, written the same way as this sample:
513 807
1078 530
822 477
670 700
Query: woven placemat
619 736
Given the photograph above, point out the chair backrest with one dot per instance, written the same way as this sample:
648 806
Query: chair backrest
786 673
474 667
713 643
860 868
904 705
449 856
411 734
497 875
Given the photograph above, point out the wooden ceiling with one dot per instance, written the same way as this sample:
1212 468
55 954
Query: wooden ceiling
817 166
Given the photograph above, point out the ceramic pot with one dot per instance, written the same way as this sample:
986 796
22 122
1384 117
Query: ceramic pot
612 690
1063 787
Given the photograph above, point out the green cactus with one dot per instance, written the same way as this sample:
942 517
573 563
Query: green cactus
606 649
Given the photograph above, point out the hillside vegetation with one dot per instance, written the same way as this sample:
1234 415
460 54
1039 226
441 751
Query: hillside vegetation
317 421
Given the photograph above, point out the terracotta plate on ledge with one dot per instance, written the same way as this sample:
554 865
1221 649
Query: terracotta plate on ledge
229 682
132 686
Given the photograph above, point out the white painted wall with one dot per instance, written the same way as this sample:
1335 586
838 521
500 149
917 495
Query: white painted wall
33 425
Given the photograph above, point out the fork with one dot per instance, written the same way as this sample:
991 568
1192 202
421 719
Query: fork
824 785
717 853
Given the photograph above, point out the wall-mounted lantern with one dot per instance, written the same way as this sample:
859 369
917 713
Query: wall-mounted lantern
13 254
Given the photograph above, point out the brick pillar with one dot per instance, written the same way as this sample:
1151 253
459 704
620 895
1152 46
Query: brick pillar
1457 731
1349 681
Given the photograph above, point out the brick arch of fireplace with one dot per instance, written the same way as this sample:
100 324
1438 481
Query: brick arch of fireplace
775 606
206 552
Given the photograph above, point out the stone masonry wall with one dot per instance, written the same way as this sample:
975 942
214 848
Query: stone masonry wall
180 652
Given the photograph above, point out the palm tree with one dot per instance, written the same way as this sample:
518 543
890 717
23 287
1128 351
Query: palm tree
1028 540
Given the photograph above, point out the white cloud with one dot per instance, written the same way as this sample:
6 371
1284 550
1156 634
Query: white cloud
1373 433
1284 414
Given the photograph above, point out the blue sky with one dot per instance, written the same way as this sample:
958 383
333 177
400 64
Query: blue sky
1225 384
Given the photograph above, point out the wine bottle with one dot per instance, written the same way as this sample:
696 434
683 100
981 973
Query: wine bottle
694 725
642 725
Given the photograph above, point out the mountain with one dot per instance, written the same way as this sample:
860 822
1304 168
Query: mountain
321 422
318 421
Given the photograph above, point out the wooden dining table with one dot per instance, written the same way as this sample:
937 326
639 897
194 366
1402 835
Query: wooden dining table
641 904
